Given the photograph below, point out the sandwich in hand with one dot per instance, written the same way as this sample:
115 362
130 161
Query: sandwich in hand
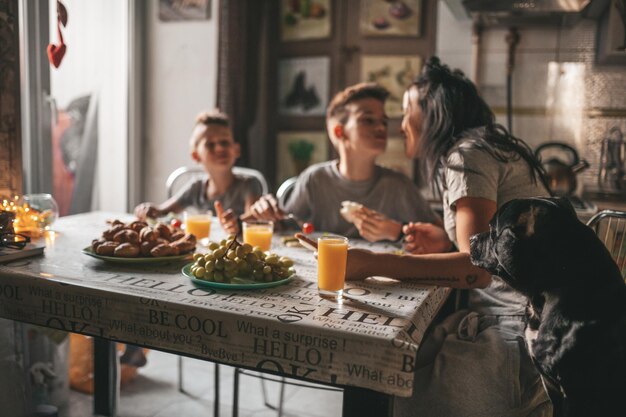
348 208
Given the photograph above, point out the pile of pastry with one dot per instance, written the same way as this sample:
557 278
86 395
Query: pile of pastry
138 239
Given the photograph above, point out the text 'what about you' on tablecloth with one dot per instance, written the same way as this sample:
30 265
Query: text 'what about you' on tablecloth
368 341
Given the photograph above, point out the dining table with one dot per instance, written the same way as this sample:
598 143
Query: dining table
366 344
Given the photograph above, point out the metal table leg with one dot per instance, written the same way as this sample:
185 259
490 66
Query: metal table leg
216 403
236 393
358 402
106 382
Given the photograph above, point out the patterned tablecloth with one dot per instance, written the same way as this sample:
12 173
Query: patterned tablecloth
369 341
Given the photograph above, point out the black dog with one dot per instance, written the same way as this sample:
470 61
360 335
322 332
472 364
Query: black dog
577 300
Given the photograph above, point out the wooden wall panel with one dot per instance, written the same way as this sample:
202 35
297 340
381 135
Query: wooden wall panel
10 127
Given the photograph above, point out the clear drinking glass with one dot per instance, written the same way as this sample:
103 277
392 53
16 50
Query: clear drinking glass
332 257
46 208
199 225
258 233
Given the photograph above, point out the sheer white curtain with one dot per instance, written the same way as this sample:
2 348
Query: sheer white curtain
95 67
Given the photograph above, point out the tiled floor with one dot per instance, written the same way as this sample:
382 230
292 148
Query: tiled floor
155 394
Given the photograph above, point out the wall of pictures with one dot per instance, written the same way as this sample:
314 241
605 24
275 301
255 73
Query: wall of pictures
327 45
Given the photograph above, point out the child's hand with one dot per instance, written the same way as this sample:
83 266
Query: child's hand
425 238
144 210
228 219
374 226
266 208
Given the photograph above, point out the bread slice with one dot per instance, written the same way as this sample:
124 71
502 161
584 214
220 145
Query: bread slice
348 208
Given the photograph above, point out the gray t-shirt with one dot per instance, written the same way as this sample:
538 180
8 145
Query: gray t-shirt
194 194
485 177
321 188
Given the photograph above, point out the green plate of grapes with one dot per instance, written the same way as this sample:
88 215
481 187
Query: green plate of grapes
233 265
235 283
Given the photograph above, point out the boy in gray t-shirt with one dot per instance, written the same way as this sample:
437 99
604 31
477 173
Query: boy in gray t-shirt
212 146
357 126
321 188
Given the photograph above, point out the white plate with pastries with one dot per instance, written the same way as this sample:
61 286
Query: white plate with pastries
136 260
138 243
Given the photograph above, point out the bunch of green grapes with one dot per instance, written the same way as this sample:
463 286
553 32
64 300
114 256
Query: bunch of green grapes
229 259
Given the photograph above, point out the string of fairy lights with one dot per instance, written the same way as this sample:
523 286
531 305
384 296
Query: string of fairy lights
27 220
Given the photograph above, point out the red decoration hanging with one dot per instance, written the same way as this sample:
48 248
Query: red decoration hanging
57 52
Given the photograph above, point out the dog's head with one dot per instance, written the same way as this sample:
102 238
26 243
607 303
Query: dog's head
532 244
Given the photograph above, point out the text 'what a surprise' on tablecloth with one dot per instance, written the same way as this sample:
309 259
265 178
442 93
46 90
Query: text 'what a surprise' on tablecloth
369 341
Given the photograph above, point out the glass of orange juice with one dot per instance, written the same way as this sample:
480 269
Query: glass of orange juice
258 233
199 225
332 256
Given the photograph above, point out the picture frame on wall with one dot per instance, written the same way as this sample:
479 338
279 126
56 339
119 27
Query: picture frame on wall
298 150
395 157
303 86
181 10
305 19
395 73
391 18
611 43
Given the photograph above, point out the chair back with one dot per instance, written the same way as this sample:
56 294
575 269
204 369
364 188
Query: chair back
250 172
285 189
183 175
610 227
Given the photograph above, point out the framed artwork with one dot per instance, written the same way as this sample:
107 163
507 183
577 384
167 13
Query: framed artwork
298 150
176 10
395 157
395 73
611 44
304 19
391 18
303 85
